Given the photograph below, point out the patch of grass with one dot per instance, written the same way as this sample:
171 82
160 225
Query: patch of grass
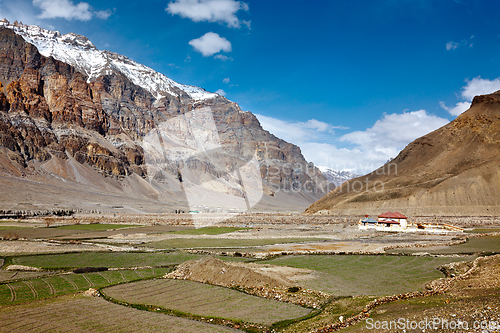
445 307
5 227
345 275
187 243
80 314
95 226
280 325
39 288
246 327
208 231
488 244
342 306
105 259
19 275
482 230
206 300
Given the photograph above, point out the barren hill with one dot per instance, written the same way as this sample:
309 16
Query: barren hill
454 170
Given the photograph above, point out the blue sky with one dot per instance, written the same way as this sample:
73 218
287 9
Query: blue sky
350 82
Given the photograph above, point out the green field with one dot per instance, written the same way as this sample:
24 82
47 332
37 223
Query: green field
345 307
80 314
205 300
15 275
482 230
208 231
6 227
84 231
95 226
43 287
449 306
104 259
211 243
344 275
490 244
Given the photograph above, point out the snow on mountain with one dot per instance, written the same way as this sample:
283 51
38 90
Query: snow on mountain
337 177
79 52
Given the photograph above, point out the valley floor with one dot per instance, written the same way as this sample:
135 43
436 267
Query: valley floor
254 272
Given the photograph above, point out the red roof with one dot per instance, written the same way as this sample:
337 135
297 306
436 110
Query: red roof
389 221
392 215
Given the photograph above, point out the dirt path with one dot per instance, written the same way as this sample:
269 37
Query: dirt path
12 293
51 287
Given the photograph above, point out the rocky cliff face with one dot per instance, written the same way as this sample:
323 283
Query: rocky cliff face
55 113
451 171
50 110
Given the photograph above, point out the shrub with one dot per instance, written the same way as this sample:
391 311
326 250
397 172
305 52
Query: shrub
89 270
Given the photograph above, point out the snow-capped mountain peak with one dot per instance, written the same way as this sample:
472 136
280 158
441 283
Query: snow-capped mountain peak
337 177
79 52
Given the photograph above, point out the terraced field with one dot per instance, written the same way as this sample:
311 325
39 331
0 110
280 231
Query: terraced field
489 244
213 243
205 300
84 314
50 300
10 228
16 275
82 231
208 231
43 287
367 274
106 259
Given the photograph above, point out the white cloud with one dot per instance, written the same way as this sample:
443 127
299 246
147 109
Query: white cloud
451 45
20 10
479 86
394 131
222 11
247 23
68 10
317 125
340 158
221 92
476 86
294 132
210 43
223 57
104 14
359 151
226 80
458 109
64 9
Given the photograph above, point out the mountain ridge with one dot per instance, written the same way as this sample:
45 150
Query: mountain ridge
337 177
79 52
453 170
60 129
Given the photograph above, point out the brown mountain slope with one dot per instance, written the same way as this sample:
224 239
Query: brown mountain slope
454 170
